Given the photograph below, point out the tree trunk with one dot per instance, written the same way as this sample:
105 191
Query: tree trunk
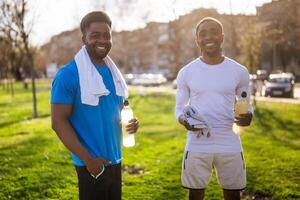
7 81
11 85
33 89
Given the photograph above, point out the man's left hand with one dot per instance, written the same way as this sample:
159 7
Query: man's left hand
132 126
243 119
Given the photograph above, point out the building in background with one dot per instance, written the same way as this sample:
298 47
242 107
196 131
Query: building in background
280 21
270 40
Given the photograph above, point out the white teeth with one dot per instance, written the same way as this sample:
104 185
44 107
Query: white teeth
101 48
209 44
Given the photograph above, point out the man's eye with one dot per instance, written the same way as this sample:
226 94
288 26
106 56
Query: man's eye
202 34
94 36
106 36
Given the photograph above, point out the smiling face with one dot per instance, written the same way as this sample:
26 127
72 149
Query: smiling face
98 41
209 38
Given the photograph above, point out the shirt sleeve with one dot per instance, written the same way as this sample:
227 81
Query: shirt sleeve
63 89
182 93
243 86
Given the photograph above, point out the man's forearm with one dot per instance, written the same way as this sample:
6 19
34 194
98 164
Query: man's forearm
67 135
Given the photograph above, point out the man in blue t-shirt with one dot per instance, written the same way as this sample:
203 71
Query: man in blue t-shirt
91 132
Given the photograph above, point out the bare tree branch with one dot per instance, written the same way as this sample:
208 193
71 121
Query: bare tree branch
12 27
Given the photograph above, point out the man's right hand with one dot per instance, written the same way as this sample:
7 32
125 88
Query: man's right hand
95 165
183 121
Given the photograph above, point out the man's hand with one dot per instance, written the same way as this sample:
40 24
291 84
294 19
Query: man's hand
132 126
183 121
95 165
243 119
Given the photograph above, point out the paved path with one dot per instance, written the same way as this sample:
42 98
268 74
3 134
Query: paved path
168 88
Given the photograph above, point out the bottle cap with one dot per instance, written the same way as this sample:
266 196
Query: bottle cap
126 103
244 94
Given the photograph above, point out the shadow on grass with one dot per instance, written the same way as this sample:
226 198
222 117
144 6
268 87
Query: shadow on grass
39 117
4 104
18 133
252 181
19 120
29 146
8 123
269 121
13 103
29 173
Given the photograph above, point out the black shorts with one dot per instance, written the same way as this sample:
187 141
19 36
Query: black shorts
108 186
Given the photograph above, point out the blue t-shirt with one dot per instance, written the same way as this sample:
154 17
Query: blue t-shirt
97 127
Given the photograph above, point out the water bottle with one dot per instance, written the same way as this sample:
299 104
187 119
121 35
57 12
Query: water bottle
126 116
241 105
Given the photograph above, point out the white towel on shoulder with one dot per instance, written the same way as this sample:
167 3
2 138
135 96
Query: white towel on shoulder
91 82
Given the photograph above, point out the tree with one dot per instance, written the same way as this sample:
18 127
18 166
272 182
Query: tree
175 40
12 26
175 45
280 33
9 57
251 46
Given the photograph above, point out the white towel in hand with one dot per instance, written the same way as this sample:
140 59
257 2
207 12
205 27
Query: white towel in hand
91 82
195 120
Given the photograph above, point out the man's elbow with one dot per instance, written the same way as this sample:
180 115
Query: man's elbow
55 124
60 115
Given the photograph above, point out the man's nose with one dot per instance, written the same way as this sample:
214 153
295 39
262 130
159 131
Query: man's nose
101 39
208 36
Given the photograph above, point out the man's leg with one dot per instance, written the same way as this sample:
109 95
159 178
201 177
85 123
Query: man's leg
231 194
89 187
231 173
196 194
196 172
115 190
106 187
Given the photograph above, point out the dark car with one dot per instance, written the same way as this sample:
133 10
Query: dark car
279 85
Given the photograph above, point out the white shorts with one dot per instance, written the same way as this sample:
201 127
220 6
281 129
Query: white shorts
197 169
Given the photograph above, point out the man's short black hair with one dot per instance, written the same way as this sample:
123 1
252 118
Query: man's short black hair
96 16
209 19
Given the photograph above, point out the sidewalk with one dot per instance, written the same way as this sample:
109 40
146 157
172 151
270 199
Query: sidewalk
168 89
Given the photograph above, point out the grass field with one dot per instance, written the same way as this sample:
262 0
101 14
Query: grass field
35 165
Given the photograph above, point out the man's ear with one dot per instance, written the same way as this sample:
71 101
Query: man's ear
222 38
196 41
196 38
83 39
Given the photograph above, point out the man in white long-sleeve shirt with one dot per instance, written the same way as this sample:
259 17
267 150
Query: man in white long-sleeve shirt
210 84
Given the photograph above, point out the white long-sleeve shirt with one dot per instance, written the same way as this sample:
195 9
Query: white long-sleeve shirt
212 90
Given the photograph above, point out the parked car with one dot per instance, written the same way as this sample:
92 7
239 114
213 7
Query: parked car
148 79
129 78
279 85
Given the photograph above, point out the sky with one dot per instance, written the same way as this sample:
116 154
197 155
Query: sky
51 17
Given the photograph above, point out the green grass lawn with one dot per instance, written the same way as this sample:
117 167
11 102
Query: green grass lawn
35 165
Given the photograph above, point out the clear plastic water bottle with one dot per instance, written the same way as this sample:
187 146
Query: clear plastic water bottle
241 105
126 116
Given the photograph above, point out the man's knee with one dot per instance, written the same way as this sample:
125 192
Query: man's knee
232 194
196 194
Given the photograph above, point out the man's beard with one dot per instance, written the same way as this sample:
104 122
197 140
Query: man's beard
96 55
214 53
